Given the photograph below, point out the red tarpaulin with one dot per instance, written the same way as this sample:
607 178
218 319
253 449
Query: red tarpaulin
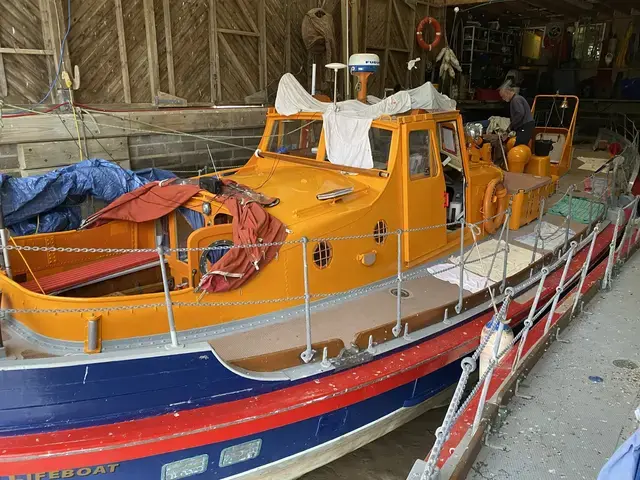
252 225
149 202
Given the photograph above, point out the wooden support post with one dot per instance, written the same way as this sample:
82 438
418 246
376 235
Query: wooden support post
59 28
355 27
122 47
355 33
4 89
287 41
387 36
214 52
152 47
412 44
166 11
47 36
262 54
344 18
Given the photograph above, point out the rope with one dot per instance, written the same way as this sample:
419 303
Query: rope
28 267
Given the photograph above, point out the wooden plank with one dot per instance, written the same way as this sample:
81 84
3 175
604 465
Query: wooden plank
41 171
4 89
59 28
214 53
166 10
50 127
238 65
242 33
26 51
47 36
55 154
152 47
262 44
401 27
245 8
122 47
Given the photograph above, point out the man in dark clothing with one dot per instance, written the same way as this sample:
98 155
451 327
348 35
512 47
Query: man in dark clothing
521 118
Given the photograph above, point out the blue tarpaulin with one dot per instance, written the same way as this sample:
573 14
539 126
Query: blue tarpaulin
50 202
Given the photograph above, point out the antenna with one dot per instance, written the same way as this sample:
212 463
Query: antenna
362 65
335 67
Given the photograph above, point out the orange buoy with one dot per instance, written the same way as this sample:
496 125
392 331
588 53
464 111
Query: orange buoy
420 33
494 205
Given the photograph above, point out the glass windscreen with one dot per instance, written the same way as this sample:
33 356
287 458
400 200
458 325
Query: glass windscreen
296 137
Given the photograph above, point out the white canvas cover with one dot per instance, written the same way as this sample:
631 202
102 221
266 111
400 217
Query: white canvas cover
347 123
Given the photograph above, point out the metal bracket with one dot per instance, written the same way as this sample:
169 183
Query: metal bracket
517 394
307 355
502 448
561 340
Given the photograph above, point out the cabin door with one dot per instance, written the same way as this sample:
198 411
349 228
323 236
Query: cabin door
424 192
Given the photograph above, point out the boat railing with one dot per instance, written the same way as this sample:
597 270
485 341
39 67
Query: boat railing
429 470
622 130
475 229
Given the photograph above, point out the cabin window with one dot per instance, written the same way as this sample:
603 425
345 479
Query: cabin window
420 153
296 137
380 140
449 145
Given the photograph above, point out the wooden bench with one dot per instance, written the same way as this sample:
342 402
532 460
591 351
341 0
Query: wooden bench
94 272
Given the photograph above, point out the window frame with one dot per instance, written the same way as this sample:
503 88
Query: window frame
434 167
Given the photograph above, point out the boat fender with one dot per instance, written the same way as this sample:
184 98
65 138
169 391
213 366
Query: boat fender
420 33
494 205
487 353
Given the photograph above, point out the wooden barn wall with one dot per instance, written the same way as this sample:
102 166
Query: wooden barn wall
205 51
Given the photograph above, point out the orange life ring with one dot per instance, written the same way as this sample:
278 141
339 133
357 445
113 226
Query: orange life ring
495 203
420 33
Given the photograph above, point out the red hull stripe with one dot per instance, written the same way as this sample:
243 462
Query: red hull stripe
192 428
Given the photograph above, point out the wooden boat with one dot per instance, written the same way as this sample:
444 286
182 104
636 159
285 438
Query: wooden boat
131 353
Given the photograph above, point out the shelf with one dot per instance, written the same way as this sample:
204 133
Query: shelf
480 40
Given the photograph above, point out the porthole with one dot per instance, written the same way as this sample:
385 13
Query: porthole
322 254
380 232
214 252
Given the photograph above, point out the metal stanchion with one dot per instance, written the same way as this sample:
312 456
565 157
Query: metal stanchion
632 221
4 242
528 323
585 268
397 329
308 354
560 286
167 293
612 252
507 218
458 307
566 232
538 230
